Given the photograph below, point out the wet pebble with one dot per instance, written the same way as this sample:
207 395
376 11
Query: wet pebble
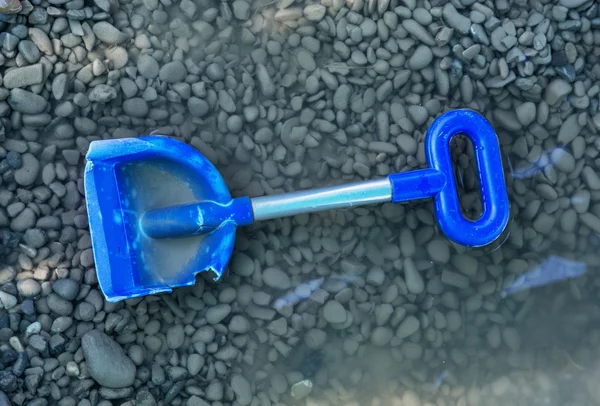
106 361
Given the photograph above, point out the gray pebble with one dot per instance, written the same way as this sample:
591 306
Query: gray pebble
418 32
421 58
557 91
107 33
215 72
456 20
28 288
106 361
276 278
175 336
148 66
226 101
102 94
23 221
66 288
265 83
28 172
409 326
241 9
216 314
26 102
172 72
242 389
334 312
135 107
306 60
23 77
197 107
29 51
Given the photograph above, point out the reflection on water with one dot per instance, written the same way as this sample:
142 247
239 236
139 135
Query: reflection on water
554 269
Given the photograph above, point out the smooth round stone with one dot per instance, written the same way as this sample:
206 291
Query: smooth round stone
306 60
438 250
276 278
358 57
135 107
28 288
409 326
334 312
241 9
148 66
381 336
234 124
29 170
197 107
215 72
172 72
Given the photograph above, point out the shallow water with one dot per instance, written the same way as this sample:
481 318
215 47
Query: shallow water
154 185
365 306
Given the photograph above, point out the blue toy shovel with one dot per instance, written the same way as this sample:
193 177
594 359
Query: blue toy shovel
159 211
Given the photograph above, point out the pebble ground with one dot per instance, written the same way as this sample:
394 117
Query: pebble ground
370 306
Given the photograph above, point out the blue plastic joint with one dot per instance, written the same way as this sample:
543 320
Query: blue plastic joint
196 218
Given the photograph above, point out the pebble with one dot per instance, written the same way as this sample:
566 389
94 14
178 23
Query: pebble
172 72
414 281
8 301
216 314
175 336
241 9
572 3
24 76
135 107
456 20
381 336
147 66
66 288
197 107
26 102
28 288
315 338
569 129
421 58
29 170
314 12
409 326
306 60
102 94
242 389
108 34
526 113
557 91
438 250
276 278
334 312
266 85
239 324
106 361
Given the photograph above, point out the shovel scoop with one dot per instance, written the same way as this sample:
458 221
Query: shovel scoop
160 212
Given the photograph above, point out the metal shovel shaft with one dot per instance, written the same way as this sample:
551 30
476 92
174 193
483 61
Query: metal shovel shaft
399 187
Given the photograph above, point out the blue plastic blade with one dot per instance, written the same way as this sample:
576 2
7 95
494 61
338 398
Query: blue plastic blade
125 178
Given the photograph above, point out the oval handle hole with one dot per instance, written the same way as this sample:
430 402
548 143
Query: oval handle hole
465 169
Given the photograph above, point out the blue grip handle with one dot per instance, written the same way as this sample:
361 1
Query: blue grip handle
496 207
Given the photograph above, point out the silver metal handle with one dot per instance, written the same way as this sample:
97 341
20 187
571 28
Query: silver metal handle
334 197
